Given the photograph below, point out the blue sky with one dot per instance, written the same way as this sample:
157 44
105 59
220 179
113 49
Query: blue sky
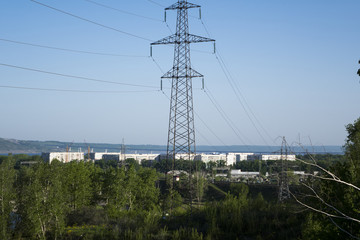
294 63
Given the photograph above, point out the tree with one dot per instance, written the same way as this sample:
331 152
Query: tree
114 186
130 190
201 185
97 179
7 195
147 196
42 202
78 184
335 192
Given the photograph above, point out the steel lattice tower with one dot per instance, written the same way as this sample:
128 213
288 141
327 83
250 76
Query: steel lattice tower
181 135
284 192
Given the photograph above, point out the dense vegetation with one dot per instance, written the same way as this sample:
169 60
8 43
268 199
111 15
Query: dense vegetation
82 200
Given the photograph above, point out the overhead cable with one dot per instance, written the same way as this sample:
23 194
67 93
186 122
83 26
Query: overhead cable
202 135
238 93
73 76
157 64
74 91
241 103
156 3
69 50
225 116
203 122
93 22
123 11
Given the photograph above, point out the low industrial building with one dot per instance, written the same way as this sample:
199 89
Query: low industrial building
237 173
272 157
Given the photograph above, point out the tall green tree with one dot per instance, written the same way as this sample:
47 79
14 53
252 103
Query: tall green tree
335 195
201 184
42 202
7 195
114 187
78 184
130 190
147 196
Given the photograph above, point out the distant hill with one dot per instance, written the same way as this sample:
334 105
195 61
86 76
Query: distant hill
24 146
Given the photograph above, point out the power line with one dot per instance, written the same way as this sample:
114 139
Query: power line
227 119
122 11
224 116
156 3
69 50
238 93
74 91
93 22
212 132
203 122
157 64
202 135
246 104
73 76
237 97
131 13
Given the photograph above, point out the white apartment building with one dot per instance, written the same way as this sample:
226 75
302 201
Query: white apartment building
272 157
233 158
64 157
120 157
105 155
212 157
140 157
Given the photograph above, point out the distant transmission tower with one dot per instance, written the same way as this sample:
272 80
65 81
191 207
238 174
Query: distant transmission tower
123 148
284 192
181 135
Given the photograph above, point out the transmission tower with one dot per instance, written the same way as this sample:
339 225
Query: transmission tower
284 192
123 148
181 135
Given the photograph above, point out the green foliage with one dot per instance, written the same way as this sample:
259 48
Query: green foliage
104 164
164 165
172 203
87 216
128 190
113 188
7 195
42 202
239 189
81 200
344 198
201 184
78 183
184 233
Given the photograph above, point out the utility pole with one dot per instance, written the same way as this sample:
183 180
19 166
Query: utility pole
284 192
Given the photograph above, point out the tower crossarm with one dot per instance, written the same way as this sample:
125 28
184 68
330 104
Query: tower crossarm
182 5
190 73
190 38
